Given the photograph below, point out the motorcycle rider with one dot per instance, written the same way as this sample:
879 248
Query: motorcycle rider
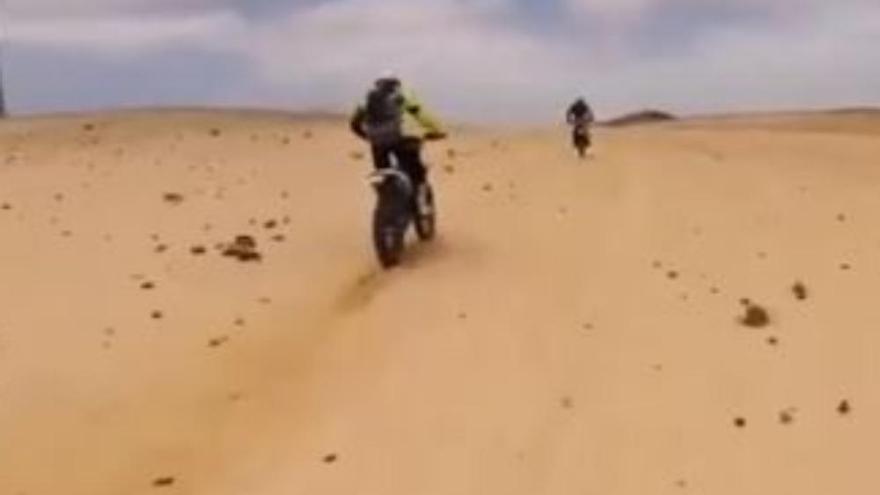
395 123
580 117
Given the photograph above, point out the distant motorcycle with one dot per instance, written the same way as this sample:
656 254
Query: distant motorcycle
399 204
581 138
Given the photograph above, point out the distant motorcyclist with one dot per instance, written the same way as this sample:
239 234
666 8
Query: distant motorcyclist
395 124
580 117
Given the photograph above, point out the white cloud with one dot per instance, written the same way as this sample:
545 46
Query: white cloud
450 50
127 35
64 8
467 57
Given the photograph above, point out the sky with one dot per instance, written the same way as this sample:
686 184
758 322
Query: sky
492 60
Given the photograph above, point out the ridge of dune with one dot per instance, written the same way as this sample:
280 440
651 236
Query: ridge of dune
688 311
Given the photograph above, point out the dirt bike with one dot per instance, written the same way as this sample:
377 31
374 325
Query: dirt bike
581 138
399 204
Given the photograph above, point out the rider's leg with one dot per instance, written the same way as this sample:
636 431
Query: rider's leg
409 155
381 156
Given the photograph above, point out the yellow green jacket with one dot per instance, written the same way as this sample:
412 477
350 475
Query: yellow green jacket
417 122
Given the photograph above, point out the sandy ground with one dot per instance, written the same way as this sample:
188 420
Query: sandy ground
575 330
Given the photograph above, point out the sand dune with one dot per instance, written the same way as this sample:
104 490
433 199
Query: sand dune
689 311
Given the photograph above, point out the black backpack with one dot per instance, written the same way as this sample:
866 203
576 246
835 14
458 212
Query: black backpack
384 116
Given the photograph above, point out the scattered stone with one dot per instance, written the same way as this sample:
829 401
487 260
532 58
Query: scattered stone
356 155
285 140
215 132
148 286
109 331
772 341
800 291
740 422
6 206
844 408
244 248
239 322
330 458
786 417
270 224
198 250
264 300
308 134
755 317
88 127
58 197
657 265
567 403
164 481
715 290
487 187
449 169
841 218
156 315
173 198
845 266
279 238
161 248
218 341
672 274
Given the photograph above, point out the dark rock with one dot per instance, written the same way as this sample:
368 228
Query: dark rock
800 291
755 317
786 417
244 248
164 481
173 198
567 403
